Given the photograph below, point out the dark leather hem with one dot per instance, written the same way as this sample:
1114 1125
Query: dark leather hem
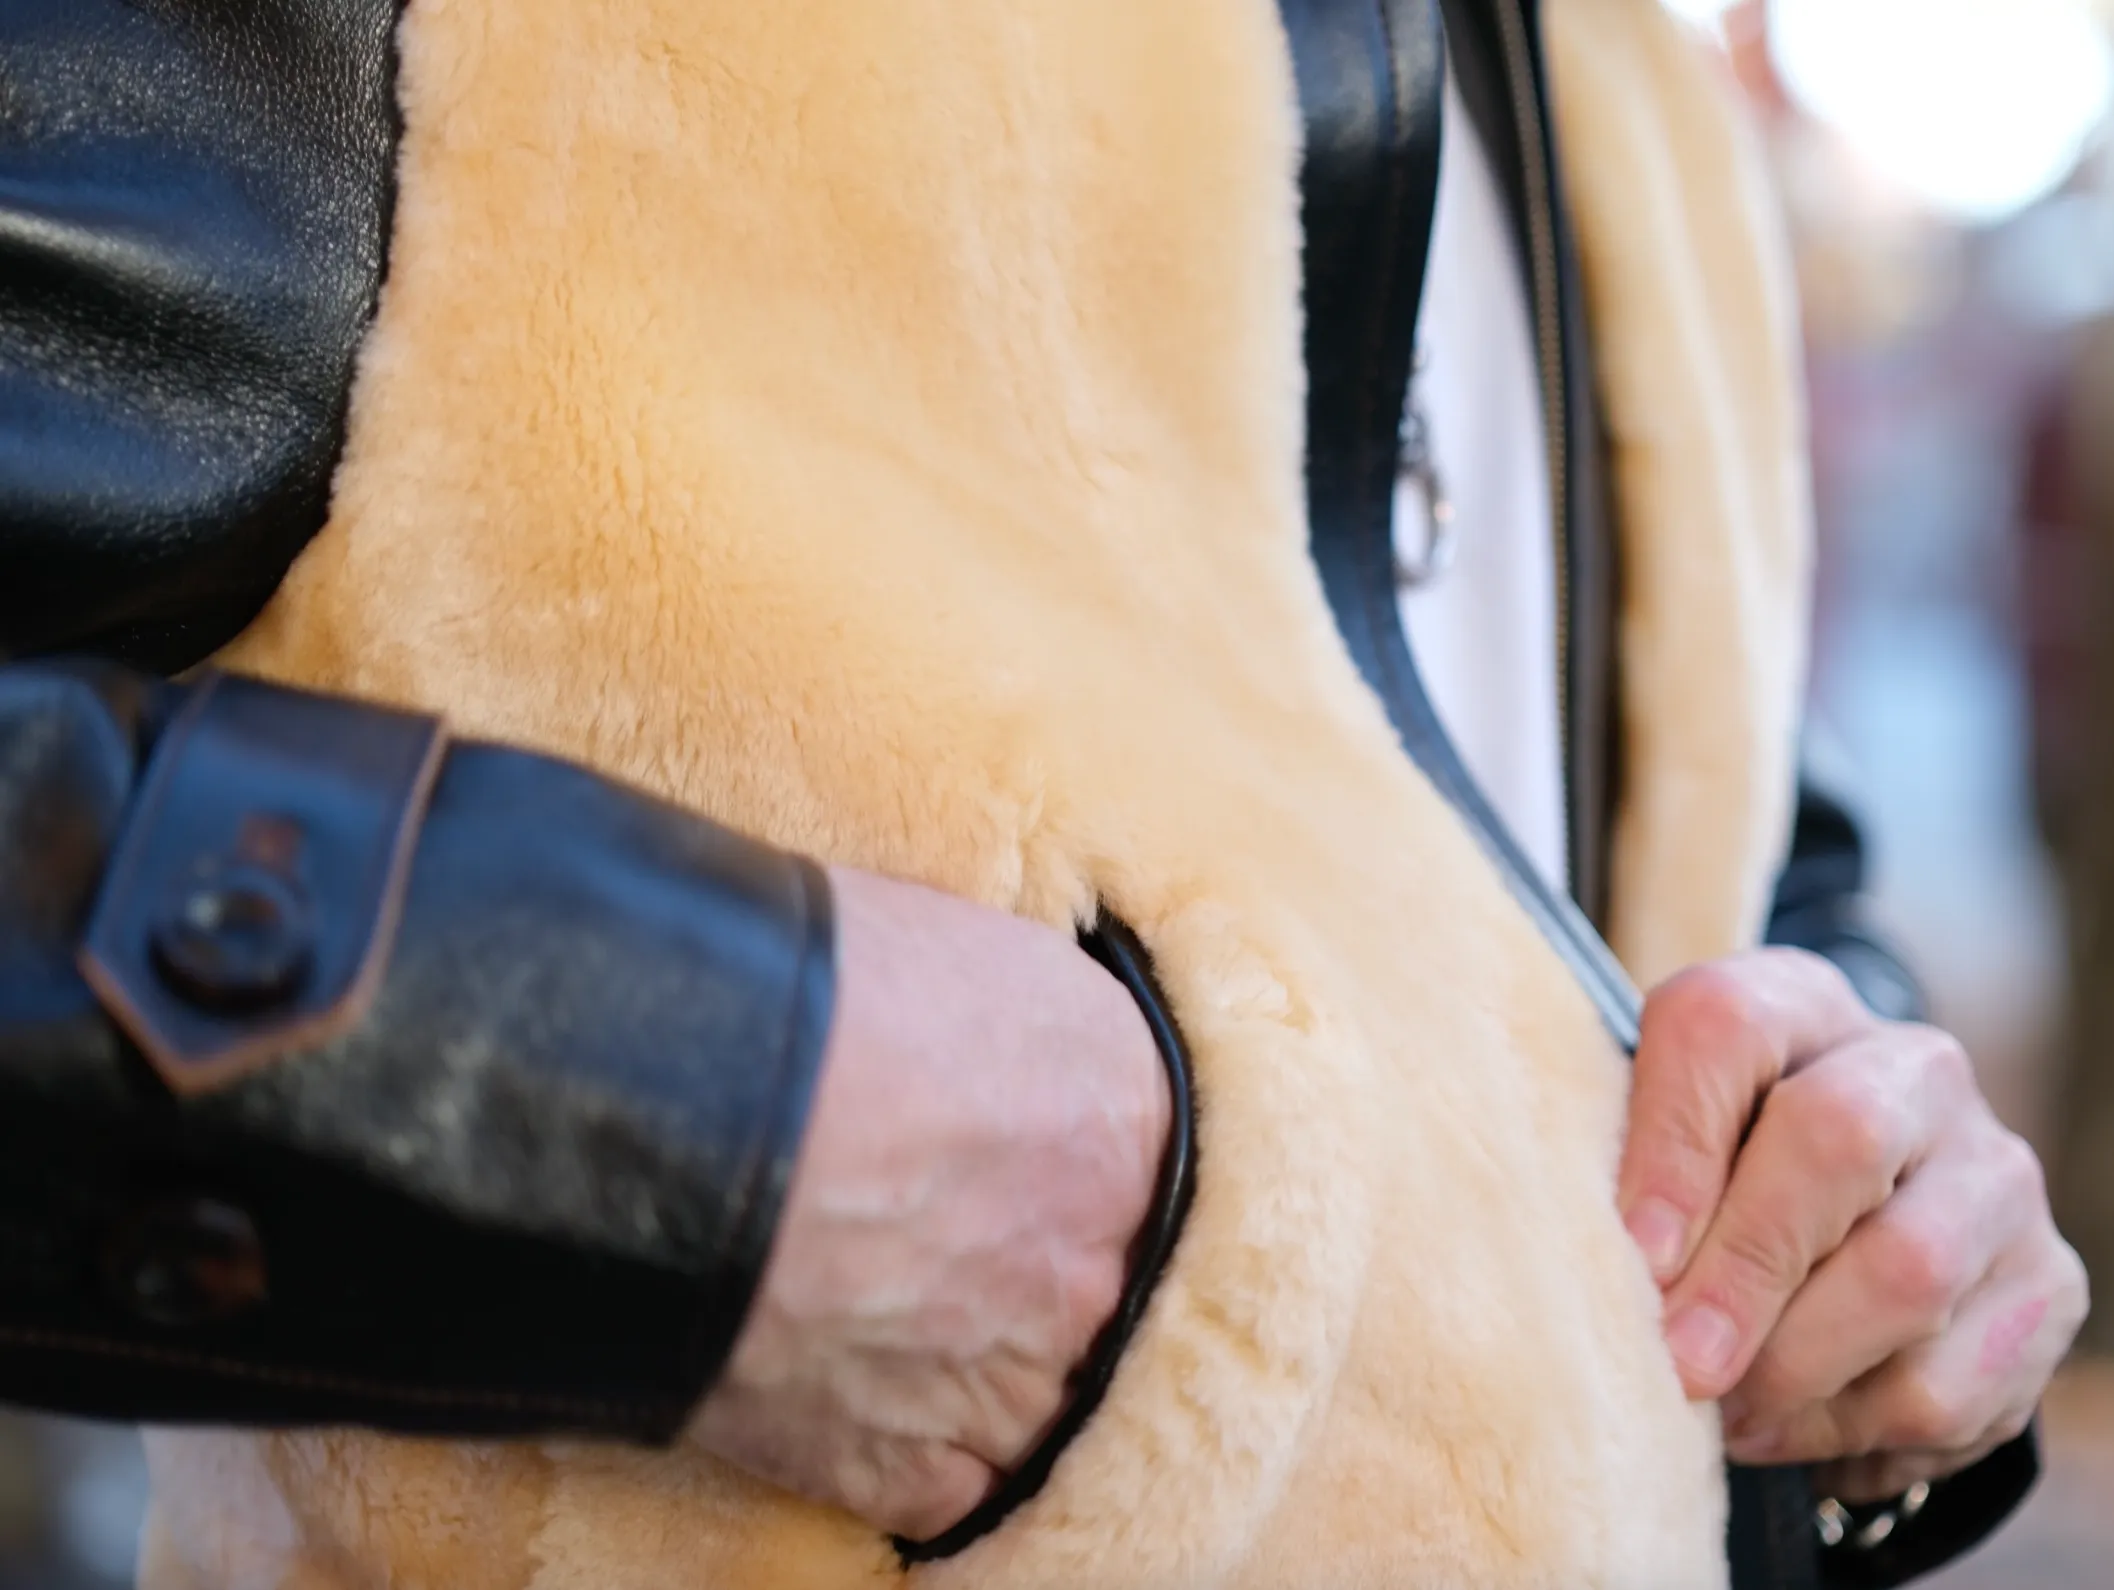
1962 1513
1116 948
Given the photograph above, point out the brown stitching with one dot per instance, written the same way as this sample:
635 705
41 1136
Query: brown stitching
314 1380
239 1054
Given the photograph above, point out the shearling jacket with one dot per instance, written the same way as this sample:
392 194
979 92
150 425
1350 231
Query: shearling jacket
358 1075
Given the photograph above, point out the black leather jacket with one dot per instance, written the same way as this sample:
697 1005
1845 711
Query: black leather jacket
312 1086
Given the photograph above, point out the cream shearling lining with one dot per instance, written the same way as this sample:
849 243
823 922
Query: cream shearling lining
879 427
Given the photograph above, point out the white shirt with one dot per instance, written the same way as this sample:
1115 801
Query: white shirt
1484 632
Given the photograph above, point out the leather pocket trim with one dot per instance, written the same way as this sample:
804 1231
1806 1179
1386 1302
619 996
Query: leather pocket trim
1117 948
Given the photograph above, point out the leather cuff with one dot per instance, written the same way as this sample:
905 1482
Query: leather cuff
438 1092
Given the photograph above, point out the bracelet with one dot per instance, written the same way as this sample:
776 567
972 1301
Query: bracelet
1841 1526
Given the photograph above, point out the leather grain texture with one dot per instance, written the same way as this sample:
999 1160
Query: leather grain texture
531 1192
261 805
194 198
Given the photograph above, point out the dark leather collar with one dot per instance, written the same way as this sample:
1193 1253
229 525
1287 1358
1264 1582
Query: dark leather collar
1371 76
1369 213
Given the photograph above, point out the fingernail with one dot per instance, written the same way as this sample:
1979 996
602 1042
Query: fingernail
1703 1339
1657 1228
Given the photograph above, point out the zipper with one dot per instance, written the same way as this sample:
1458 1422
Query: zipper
1515 47
1589 955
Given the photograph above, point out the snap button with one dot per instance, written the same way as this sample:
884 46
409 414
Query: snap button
235 936
187 1262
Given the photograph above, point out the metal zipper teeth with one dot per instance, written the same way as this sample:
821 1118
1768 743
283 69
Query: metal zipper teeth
1548 321
1622 1001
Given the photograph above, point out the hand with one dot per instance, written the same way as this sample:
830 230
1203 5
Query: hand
1855 1255
984 1147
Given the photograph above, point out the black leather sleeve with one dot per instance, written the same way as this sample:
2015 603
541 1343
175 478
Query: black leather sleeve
194 197
520 1177
464 1097
1818 908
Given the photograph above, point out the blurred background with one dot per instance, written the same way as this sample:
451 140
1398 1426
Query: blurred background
1947 167
1948 170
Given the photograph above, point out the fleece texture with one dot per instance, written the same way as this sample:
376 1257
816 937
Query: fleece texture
879 427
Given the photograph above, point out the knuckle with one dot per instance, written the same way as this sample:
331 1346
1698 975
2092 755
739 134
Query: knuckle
1705 1011
1831 1432
1759 1259
1945 1059
1919 1270
2020 1178
2073 1284
1822 976
2009 1428
1777 1382
1848 1125
1703 1058
1928 1414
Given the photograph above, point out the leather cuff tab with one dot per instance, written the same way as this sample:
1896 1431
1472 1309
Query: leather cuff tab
250 905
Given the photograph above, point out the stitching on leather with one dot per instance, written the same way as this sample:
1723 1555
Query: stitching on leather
109 959
318 1380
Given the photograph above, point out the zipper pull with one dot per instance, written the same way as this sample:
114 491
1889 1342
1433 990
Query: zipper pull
1416 465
